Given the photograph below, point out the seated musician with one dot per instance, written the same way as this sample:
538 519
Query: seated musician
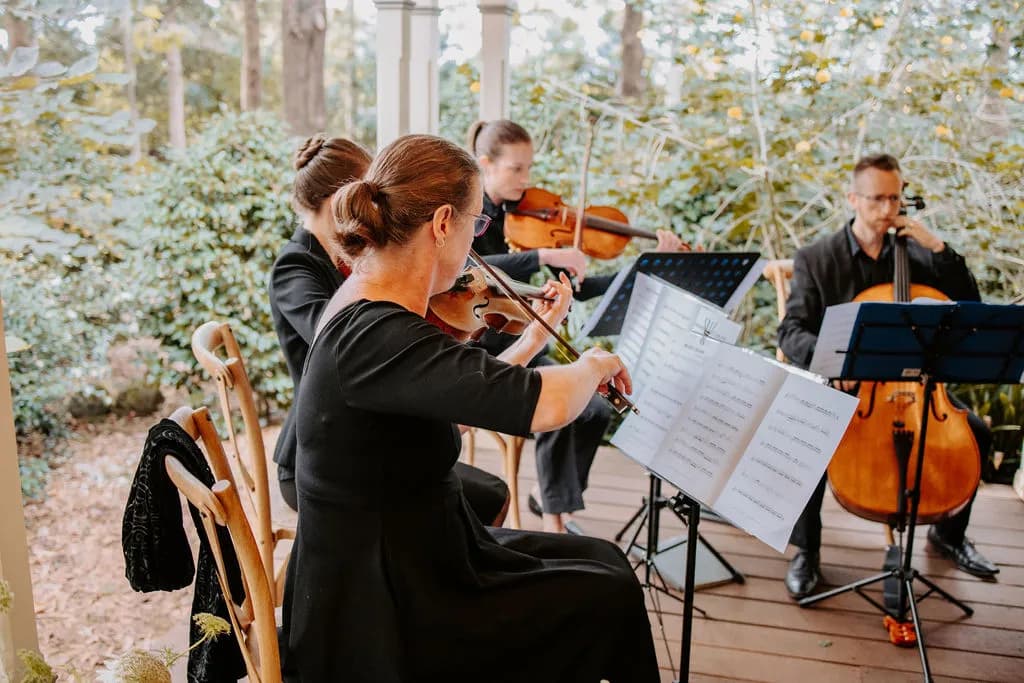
391 577
303 280
833 270
564 456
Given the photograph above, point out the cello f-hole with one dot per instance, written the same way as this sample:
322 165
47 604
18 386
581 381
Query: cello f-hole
871 404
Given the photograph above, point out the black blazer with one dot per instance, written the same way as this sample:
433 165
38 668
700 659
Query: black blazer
833 270
302 281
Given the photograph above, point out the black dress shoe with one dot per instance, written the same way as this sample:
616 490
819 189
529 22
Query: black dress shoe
803 575
534 506
964 554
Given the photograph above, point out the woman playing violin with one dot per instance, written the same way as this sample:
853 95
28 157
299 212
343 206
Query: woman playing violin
303 280
391 577
504 151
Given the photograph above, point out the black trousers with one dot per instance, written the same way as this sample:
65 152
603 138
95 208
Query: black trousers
486 494
807 532
564 456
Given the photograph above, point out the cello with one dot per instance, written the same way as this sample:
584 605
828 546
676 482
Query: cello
869 469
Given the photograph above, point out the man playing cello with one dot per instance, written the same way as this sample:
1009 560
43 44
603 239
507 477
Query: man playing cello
833 270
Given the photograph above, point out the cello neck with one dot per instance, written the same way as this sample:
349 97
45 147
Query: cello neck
901 270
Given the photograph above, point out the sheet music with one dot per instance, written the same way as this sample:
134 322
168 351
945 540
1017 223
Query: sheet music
785 459
639 316
720 416
663 399
834 336
657 329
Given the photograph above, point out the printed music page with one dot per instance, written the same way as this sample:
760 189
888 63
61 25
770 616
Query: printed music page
639 315
737 431
785 459
641 436
658 317
718 420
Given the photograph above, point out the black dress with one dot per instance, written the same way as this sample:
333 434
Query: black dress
392 578
302 281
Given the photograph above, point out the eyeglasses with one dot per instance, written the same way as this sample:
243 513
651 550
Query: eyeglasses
880 198
480 224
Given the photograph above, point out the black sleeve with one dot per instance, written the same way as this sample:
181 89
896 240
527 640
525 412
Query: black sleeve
594 286
798 331
957 281
520 265
299 293
399 363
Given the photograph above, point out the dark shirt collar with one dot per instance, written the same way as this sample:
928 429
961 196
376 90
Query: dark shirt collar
855 247
309 241
491 209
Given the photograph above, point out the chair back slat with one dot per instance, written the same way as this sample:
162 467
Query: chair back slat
779 272
252 621
216 349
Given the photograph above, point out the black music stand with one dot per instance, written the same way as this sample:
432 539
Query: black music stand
688 511
721 278
949 342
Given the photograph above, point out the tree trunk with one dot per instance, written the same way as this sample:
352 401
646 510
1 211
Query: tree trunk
19 33
252 89
303 31
128 45
349 94
993 105
631 77
175 97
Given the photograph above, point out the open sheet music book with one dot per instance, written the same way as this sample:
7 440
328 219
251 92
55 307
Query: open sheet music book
741 433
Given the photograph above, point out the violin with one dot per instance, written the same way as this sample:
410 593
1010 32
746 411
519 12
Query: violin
475 303
880 446
477 306
541 220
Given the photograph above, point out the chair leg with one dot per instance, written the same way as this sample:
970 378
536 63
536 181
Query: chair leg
471 445
513 454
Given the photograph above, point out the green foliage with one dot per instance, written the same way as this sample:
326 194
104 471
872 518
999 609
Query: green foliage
213 222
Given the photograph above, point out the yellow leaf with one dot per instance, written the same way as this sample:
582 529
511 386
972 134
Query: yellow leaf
823 76
75 80
691 49
946 40
878 22
735 113
152 12
1006 91
474 87
23 83
943 132
846 12
803 146
807 35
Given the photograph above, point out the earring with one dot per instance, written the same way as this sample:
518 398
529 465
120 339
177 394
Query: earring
440 241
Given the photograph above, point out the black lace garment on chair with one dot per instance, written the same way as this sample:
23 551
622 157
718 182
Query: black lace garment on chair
157 555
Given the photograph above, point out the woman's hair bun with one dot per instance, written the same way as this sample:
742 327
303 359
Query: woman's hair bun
308 151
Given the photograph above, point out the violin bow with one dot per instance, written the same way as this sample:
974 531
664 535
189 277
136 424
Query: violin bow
615 397
581 204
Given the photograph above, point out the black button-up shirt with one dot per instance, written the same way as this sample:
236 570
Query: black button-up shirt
834 269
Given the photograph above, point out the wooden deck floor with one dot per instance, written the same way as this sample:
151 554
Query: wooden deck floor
754 632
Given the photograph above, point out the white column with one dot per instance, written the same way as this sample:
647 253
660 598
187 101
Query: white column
496 18
392 69
424 76
18 628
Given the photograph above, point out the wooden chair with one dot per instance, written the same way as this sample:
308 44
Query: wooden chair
779 272
511 453
253 620
208 340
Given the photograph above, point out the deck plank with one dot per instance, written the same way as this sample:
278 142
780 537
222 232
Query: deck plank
756 633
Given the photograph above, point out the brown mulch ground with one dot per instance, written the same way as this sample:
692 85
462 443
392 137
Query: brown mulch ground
86 612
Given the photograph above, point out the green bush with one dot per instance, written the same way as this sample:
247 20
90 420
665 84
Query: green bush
213 222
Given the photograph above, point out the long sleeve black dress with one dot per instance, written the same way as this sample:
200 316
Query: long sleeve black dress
302 281
392 578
